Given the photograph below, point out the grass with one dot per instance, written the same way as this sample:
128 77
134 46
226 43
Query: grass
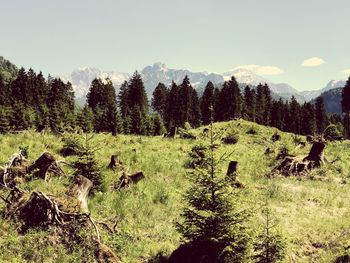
313 212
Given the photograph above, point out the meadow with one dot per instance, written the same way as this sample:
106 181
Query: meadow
313 211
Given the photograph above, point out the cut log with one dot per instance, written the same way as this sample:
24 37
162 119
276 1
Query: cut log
114 163
232 168
46 163
172 133
126 180
299 166
232 175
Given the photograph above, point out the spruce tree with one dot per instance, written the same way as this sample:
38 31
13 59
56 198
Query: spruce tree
159 100
158 125
345 103
86 164
294 124
136 93
308 123
207 101
85 119
5 120
172 115
321 116
270 245
249 103
212 212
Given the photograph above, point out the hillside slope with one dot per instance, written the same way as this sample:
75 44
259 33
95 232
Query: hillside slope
313 212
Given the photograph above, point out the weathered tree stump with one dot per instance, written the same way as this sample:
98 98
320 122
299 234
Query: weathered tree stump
232 175
299 166
46 163
114 163
276 137
79 189
126 180
172 133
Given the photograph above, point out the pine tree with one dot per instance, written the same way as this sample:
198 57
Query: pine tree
18 119
249 103
308 123
172 115
195 111
4 93
138 125
85 119
137 94
86 165
207 101
159 100
158 125
345 103
321 116
270 246
211 212
278 114
294 123
5 120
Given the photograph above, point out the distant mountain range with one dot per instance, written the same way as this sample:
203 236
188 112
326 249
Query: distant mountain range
81 79
159 72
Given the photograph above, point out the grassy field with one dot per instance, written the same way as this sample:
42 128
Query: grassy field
313 212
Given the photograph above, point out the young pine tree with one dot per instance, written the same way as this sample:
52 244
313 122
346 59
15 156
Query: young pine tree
86 165
270 245
212 212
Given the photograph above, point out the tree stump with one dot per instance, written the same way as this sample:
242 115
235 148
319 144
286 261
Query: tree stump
276 137
232 169
113 164
172 133
126 180
79 189
46 163
299 166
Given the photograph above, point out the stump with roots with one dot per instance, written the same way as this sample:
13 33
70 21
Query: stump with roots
232 175
40 210
17 171
128 179
299 166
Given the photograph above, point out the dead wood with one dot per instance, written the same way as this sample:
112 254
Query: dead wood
115 162
126 180
79 190
301 166
45 164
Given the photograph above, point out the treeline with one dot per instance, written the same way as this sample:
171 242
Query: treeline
31 101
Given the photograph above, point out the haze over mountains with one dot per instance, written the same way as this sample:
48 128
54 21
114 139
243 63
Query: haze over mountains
159 72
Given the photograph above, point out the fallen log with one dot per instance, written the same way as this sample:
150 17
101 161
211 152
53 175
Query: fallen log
301 166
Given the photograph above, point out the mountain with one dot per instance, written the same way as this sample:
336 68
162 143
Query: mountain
159 72
332 100
309 95
81 79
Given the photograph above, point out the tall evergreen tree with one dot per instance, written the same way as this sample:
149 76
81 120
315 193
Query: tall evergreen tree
207 102
345 103
137 94
159 100
249 103
321 116
308 123
173 115
294 123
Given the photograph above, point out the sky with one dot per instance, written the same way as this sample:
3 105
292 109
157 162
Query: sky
305 43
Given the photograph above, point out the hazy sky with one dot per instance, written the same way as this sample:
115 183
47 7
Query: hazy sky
277 35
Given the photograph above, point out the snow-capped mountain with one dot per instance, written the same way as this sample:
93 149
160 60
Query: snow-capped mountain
81 79
311 94
158 72
247 76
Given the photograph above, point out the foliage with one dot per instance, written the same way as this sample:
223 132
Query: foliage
212 211
332 132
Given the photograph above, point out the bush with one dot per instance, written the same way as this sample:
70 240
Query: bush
71 146
332 133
